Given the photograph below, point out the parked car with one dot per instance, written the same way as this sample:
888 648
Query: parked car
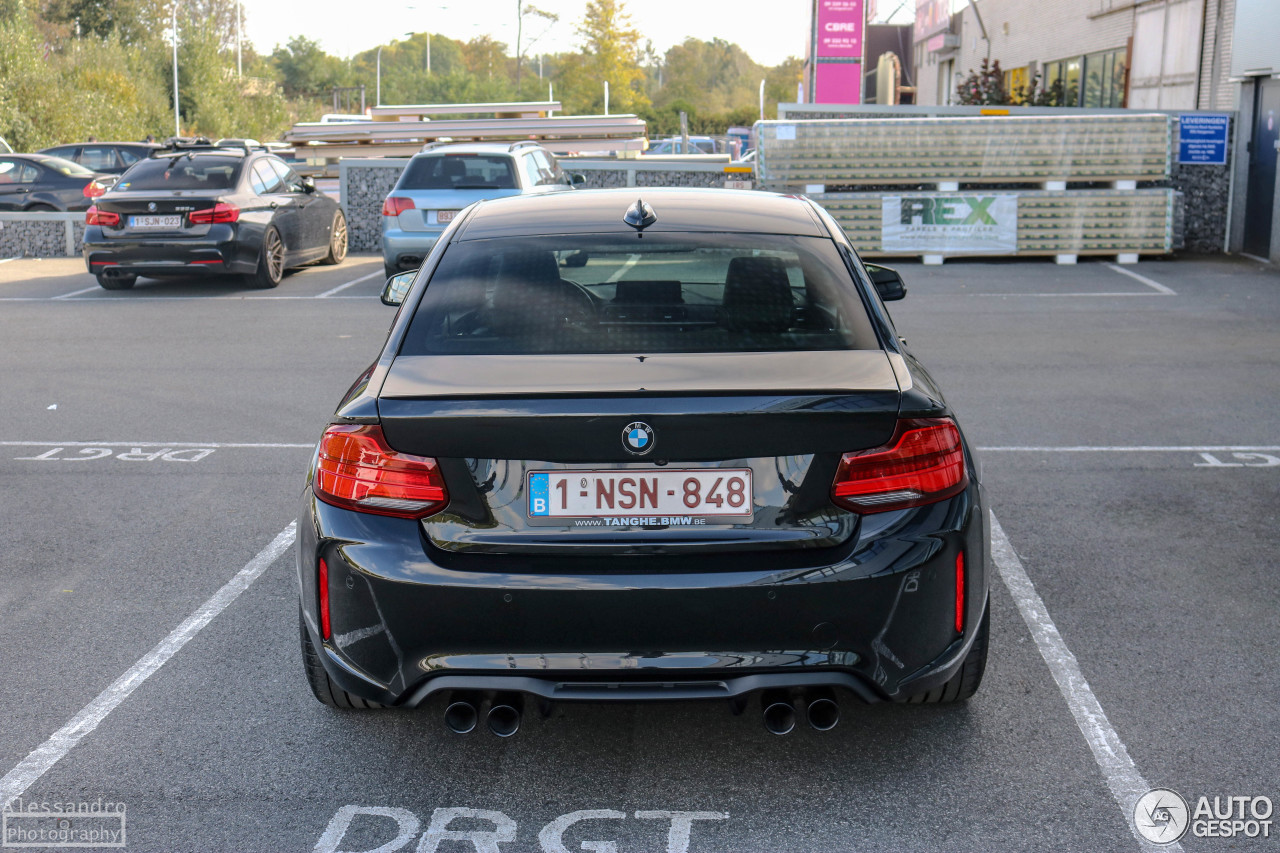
675 145
38 182
700 464
110 158
201 208
444 178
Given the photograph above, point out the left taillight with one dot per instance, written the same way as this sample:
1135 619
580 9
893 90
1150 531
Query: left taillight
220 212
358 470
923 463
94 216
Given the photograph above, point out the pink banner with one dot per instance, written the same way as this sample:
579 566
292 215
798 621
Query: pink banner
840 26
838 83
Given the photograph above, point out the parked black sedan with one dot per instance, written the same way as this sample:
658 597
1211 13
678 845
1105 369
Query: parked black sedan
640 450
108 157
202 208
39 182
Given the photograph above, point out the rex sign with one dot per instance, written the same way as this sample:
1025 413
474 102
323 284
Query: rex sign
950 224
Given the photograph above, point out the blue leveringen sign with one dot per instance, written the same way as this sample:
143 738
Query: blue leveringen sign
1203 139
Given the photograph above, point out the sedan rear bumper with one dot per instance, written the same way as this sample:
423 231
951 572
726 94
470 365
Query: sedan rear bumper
405 250
875 617
216 253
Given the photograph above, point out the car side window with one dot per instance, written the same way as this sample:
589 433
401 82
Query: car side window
550 172
68 152
531 170
127 157
289 178
264 179
25 173
99 158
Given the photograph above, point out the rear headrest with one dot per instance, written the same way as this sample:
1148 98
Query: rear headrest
530 266
757 295
454 168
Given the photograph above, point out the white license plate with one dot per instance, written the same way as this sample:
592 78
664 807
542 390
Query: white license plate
444 217
155 221
642 497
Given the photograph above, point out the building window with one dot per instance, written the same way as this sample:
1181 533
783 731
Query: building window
1104 76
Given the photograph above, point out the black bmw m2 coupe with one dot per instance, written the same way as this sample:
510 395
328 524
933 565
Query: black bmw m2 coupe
622 449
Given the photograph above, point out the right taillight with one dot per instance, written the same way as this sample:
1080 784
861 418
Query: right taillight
921 464
93 216
395 205
221 212
358 470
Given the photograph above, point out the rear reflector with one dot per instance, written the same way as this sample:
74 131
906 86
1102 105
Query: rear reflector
923 463
396 205
220 212
324 599
93 216
357 470
960 593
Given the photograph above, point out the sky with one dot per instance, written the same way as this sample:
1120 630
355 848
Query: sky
768 30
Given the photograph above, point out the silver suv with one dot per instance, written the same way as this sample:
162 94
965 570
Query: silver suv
446 177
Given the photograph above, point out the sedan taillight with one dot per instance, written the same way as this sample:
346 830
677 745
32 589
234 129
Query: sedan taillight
395 205
220 212
923 463
93 189
93 216
357 470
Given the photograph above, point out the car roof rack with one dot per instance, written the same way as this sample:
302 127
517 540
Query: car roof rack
192 144
439 143
524 143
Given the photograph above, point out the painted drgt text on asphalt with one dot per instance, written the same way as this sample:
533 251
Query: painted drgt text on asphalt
1244 460
551 838
135 454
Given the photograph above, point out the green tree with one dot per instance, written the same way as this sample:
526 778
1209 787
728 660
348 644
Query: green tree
610 51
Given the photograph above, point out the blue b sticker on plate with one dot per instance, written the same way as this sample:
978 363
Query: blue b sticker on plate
539 494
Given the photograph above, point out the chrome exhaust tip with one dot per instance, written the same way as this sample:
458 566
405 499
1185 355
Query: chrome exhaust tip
504 715
778 712
461 715
822 710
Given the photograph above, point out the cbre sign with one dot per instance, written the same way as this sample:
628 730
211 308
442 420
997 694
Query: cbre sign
840 28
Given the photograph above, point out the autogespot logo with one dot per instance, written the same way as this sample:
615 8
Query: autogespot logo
1161 816
637 438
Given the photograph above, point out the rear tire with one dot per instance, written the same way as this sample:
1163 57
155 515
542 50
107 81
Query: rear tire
322 687
116 282
337 240
270 261
968 677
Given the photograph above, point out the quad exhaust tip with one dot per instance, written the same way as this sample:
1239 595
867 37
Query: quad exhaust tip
822 710
778 712
462 714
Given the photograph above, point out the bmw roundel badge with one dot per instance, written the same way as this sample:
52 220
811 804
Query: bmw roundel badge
637 438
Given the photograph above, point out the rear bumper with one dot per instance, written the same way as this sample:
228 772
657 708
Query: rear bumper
876 619
216 253
405 250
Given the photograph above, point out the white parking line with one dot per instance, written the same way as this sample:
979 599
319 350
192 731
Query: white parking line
1154 285
6 260
44 757
631 261
77 292
340 287
1121 775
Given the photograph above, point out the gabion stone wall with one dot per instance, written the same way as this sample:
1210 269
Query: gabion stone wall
1205 191
365 183
37 235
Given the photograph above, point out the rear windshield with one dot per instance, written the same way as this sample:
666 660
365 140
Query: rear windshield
182 173
619 294
459 172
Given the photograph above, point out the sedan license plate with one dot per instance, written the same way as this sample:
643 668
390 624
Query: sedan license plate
641 497
155 221
444 217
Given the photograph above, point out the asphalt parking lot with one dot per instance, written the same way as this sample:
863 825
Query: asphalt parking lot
153 443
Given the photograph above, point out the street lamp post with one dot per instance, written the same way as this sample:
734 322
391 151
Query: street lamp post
378 94
177 129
